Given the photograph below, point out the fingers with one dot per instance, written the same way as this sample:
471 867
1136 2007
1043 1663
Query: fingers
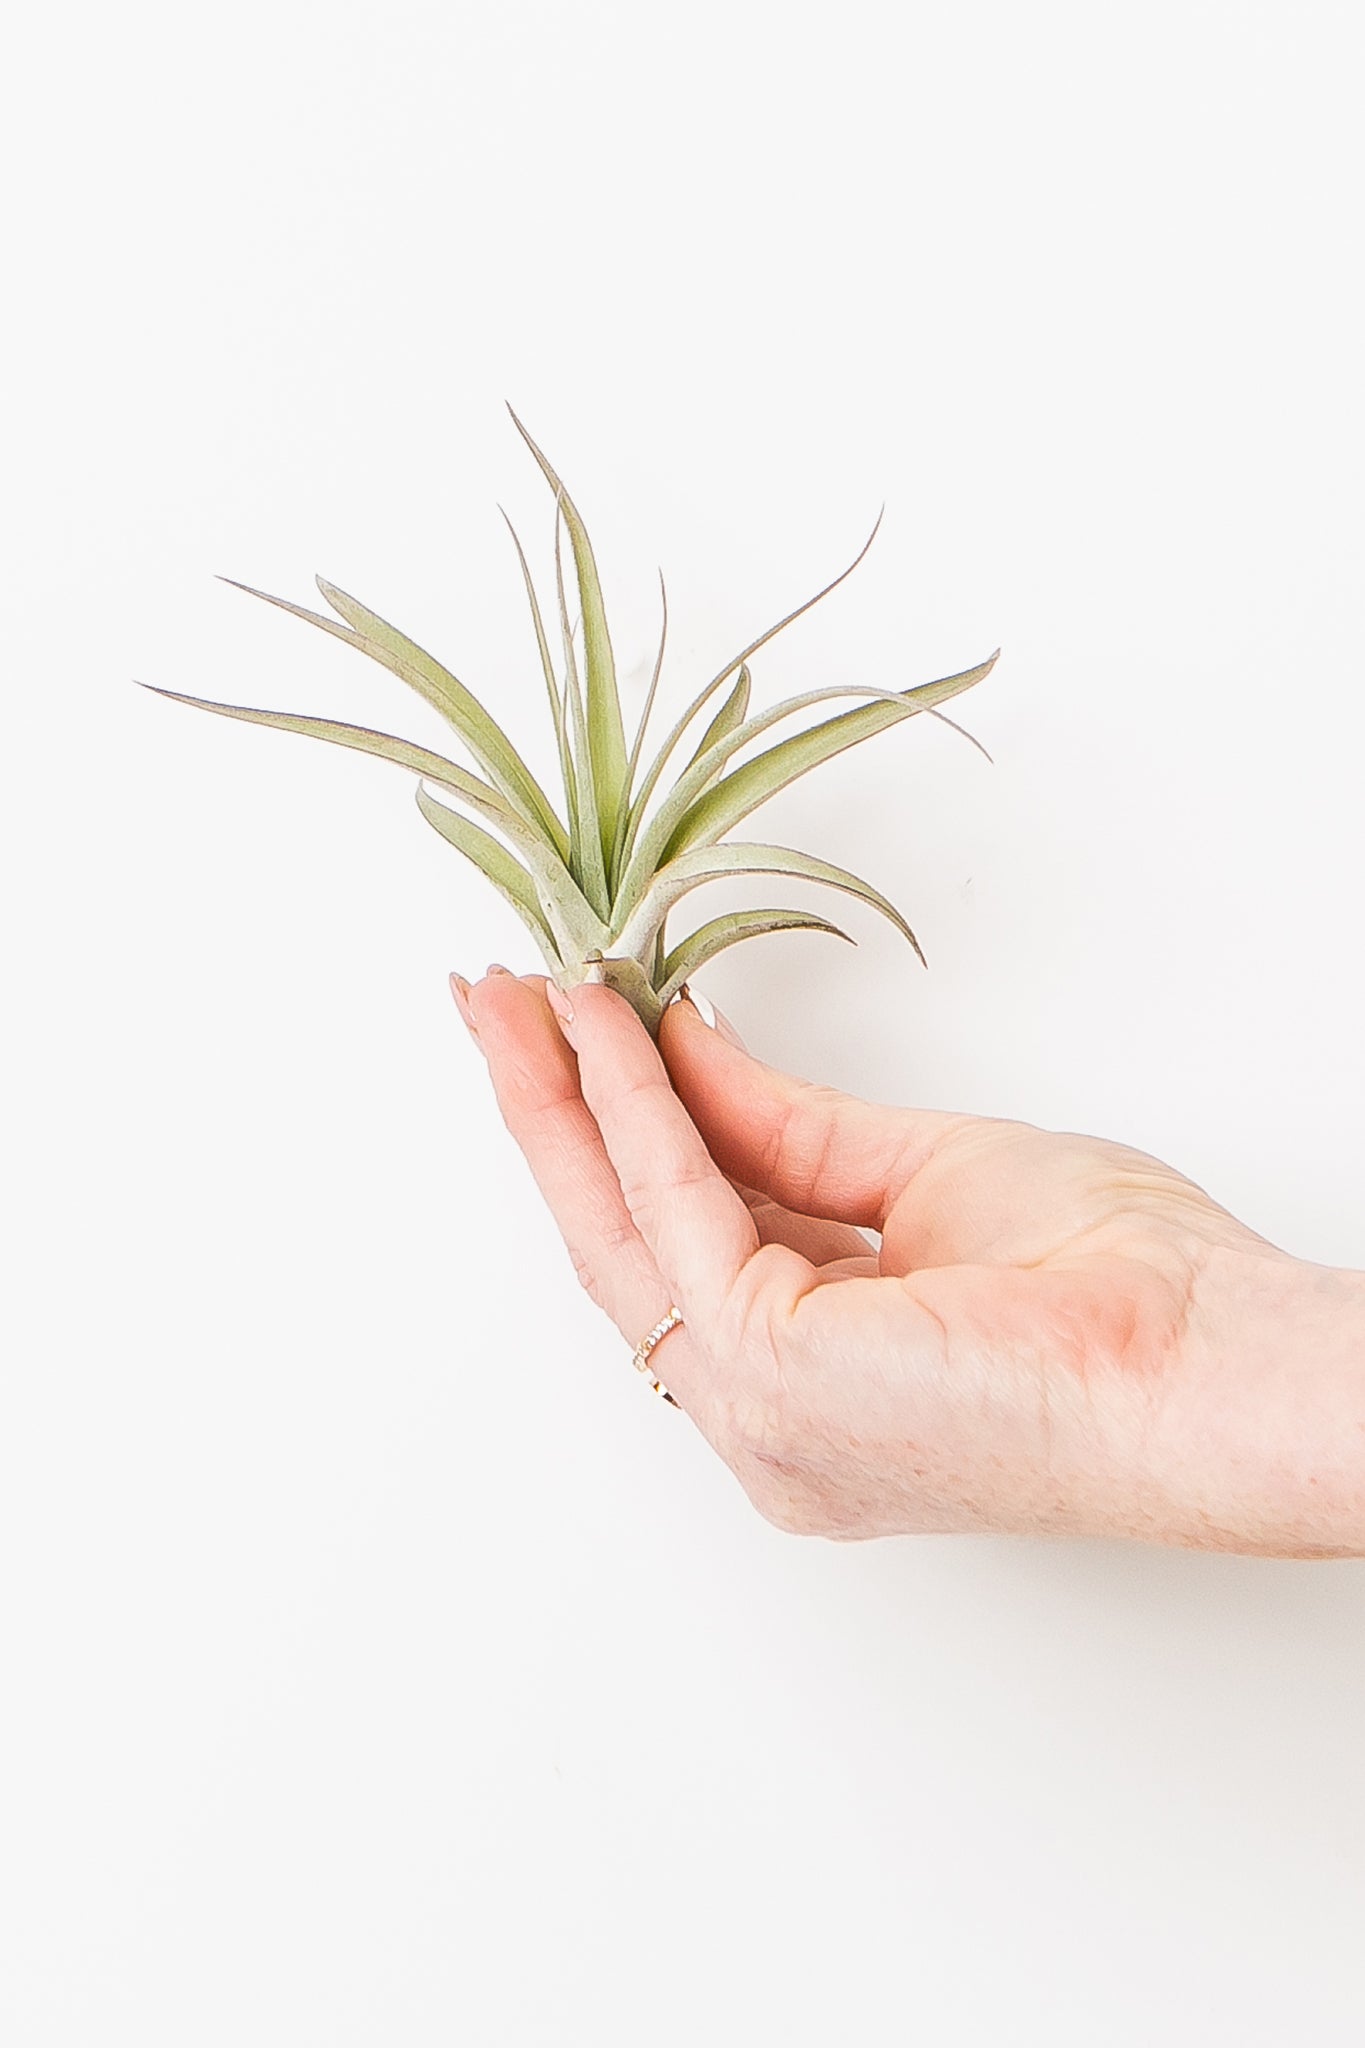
812 1149
535 1078
824 1243
698 1229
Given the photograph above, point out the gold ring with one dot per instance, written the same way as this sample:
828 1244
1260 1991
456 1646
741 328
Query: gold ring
646 1345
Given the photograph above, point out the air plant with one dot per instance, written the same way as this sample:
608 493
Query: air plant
596 883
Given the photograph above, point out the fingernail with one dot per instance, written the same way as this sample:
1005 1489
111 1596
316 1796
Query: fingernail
498 968
563 1009
703 1006
459 988
714 1018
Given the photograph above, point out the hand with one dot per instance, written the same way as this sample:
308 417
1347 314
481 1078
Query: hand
1057 1335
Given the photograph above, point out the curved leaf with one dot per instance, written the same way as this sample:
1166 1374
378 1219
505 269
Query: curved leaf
650 850
703 697
498 866
486 740
752 784
606 733
480 732
480 796
716 863
729 718
586 856
704 944
650 694
682 819
547 669
625 815
732 714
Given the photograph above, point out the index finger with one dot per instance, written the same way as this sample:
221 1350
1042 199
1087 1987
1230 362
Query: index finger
700 1232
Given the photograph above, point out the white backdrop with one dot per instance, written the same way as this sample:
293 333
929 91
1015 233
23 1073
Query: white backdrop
380 1662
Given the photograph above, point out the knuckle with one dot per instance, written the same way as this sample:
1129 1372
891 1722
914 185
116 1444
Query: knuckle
666 1180
586 1274
756 1316
644 1211
614 1236
638 1090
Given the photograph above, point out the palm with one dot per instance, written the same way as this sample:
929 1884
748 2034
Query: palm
1003 1226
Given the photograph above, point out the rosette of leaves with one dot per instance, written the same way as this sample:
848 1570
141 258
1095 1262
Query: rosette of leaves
596 879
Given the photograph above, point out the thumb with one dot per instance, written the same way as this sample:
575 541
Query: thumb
810 1148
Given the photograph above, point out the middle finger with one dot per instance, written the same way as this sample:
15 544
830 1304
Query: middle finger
535 1078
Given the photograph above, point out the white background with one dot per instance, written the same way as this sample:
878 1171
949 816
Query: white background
380 1662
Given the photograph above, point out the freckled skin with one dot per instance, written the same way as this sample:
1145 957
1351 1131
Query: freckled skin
1058 1335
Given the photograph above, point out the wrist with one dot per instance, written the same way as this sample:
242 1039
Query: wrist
1269 1437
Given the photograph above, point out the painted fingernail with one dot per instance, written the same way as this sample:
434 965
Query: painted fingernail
563 1009
703 1006
497 968
716 1019
459 988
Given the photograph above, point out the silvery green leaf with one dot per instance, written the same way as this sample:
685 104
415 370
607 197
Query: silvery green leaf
692 954
551 877
606 733
622 831
681 819
750 785
480 732
729 718
587 858
715 863
402 657
703 697
634 761
746 787
552 688
500 867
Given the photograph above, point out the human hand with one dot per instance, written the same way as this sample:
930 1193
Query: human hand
1057 1336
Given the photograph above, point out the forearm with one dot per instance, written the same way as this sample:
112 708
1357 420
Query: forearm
1267 1452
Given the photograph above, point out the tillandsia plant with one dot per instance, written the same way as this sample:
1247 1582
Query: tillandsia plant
596 883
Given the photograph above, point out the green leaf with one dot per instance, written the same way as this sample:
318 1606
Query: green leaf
652 691
481 733
606 732
687 814
486 740
715 863
500 867
546 867
703 697
383 746
589 865
547 668
731 715
746 787
704 944
623 832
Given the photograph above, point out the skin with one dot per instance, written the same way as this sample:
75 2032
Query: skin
1056 1336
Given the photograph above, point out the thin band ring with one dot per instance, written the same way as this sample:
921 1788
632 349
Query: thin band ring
646 1346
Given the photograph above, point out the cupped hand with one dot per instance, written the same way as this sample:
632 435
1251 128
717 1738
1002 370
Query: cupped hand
1055 1335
